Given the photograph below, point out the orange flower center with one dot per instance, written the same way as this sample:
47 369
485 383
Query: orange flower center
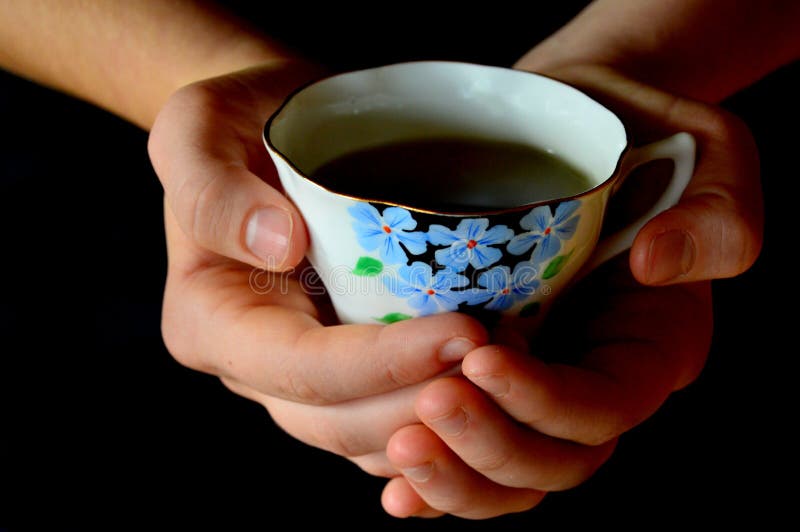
430 292
547 231
471 244
505 291
388 229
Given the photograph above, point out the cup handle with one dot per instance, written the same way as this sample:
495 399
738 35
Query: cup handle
681 149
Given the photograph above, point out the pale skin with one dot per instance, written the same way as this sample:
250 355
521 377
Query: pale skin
373 393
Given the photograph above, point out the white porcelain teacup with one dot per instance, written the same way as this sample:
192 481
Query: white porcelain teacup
383 261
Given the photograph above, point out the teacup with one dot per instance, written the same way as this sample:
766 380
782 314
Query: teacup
382 260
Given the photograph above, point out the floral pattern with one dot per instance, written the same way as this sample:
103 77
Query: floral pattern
546 230
470 243
468 266
426 291
502 288
385 232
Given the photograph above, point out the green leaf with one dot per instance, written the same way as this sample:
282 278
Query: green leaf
529 310
555 266
393 317
368 267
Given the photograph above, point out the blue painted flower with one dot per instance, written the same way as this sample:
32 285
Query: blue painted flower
469 243
502 288
426 291
546 230
386 232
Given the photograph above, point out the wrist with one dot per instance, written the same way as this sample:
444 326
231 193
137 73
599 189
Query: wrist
233 56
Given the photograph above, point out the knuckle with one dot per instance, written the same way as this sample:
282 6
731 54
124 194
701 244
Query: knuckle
726 127
717 125
733 239
195 191
495 461
331 436
207 213
393 350
297 387
305 377
398 375
198 95
203 209
186 101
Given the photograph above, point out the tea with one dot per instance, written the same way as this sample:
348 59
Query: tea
452 174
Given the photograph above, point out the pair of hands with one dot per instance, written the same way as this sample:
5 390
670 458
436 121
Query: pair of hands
462 420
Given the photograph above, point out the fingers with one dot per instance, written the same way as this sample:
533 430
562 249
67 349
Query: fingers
354 429
400 500
203 146
375 464
618 384
638 350
295 358
444 482
716 230
506 452
214 322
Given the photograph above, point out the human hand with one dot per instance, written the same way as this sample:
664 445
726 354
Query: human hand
344 388
515 426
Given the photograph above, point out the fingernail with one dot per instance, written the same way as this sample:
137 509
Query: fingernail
268 234
671 255
451 424
496 385
419 473
456 349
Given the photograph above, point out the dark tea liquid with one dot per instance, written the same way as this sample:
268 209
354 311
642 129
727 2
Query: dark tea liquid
452 175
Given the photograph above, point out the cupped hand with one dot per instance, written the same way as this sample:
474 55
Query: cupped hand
234 305
517 425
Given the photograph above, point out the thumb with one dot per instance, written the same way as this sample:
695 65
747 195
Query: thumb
202 145
715 231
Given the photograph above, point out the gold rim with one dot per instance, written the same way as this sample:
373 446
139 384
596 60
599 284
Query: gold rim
507 210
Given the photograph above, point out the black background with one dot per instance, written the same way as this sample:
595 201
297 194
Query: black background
102 419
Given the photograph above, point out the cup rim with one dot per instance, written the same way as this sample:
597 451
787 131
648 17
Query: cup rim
608 181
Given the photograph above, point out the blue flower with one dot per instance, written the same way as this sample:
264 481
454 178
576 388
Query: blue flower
469 243
425 291
546 230
502 288
386 232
